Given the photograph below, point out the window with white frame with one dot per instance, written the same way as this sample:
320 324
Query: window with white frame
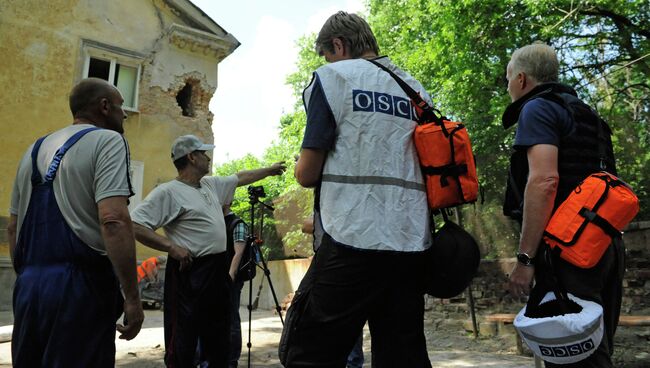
119 67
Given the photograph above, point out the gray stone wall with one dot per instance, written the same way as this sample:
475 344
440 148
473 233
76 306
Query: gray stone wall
488 287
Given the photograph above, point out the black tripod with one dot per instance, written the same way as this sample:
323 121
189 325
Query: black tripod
255 257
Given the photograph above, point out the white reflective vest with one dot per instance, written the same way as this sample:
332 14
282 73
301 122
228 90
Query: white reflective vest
372 194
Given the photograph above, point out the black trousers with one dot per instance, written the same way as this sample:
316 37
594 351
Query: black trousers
197 306
602 284
345 287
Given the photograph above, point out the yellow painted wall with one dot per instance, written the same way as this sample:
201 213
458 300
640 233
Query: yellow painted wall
42 58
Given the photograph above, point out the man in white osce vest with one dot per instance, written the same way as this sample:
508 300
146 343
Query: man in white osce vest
370 211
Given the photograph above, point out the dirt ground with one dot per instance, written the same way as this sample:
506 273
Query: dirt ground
266 328
449 344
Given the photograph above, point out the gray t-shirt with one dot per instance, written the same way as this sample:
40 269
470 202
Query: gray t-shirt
191 217
95 168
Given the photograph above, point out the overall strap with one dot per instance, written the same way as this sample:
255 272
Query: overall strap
36 176
58 156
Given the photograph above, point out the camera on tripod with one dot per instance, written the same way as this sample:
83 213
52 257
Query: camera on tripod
255 192
255 257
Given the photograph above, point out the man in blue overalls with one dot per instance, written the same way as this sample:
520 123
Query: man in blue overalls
70 235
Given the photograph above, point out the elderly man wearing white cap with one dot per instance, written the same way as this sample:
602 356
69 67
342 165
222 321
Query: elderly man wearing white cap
197 284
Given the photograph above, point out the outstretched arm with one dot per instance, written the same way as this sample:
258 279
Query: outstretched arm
250 176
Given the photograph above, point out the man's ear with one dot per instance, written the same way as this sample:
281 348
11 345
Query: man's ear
339 46
522 80
190 157
104 106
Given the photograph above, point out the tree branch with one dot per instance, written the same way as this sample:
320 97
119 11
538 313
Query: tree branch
618 19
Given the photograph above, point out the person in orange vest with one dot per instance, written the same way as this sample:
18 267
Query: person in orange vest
150 285
148 269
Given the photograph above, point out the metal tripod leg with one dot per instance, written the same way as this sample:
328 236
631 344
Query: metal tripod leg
254 249
250 266
267 273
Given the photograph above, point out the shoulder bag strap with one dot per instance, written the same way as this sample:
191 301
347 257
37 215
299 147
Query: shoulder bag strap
428 112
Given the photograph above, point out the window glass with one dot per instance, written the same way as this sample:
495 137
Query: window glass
125 81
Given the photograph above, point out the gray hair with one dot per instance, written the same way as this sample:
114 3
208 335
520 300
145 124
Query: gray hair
352 29
538 61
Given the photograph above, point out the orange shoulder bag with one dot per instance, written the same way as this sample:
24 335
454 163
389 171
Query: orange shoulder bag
595 212
445 153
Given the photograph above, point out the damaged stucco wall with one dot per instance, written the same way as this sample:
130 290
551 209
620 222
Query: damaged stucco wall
44 46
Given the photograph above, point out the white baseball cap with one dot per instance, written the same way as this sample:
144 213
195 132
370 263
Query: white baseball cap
187 144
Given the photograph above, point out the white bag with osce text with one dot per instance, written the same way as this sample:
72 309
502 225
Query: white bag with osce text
563 339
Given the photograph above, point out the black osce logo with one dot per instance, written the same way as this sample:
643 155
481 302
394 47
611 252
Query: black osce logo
567 350
382 102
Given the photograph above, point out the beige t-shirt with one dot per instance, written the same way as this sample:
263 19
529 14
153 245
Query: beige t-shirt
95 168
191 217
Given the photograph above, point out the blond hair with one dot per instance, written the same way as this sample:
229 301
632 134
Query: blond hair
538 61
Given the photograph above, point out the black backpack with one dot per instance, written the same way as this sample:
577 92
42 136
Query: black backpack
232 221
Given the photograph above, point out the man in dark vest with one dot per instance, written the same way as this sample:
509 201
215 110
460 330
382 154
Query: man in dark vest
559 141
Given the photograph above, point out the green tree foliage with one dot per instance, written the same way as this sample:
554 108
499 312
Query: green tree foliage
459 51
308 61
282 232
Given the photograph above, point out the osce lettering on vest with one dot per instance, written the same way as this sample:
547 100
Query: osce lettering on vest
370 101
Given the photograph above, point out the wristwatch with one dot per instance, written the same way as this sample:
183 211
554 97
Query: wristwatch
525 259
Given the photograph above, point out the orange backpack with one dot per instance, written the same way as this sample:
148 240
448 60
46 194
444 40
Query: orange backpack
447 162
595 212
444 151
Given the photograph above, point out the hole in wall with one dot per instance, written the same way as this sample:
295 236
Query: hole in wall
184 98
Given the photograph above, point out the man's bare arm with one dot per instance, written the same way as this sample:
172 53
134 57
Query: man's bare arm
539 195
309 167
539 198
250 176
153 240
117 232
236 258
